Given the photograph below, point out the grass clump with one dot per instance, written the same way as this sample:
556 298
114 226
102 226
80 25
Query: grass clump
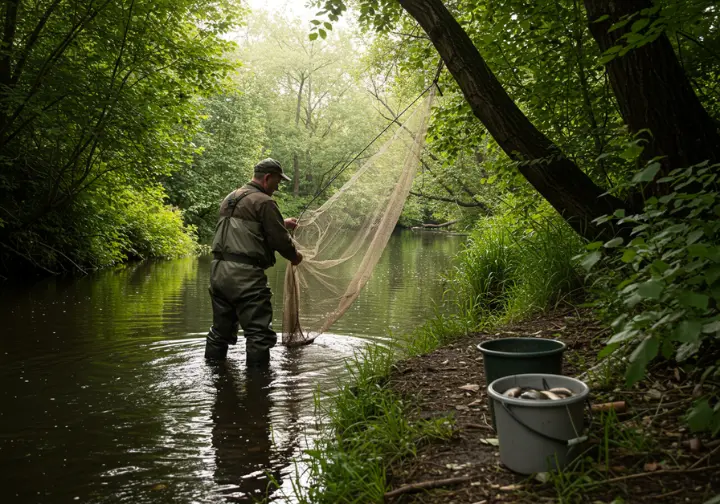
365 429
509 269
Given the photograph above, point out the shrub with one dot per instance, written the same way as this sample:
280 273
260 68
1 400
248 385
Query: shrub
661 284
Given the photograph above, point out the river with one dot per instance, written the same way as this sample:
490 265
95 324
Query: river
106 396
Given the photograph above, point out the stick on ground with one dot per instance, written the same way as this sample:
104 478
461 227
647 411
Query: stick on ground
414 487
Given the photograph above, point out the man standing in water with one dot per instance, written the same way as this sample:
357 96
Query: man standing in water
247 235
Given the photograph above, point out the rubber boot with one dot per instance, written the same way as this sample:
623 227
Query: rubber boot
258 359
215 349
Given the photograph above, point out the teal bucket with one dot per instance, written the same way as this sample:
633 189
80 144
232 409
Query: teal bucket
514 356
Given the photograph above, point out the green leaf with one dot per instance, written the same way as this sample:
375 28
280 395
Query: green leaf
594 245
700 416
651 289
323 33
687 331
667 349
632 153
694 300
660 266
619 24
606 59
615 242
629 255
625 335
645 352
698 250
315 22
687 350
712 327
610 348
313 36
712 274
639 25
648 174
694 236
327 26
590 260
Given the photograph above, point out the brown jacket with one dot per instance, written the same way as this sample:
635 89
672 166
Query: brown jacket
254 228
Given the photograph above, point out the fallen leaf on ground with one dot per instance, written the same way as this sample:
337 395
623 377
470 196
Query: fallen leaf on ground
652 466
461 407
470 387
542 477
476 402
159 486
445 362
490 441
654 394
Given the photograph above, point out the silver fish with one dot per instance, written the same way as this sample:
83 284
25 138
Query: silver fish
533 394
550 395
513 392
561 391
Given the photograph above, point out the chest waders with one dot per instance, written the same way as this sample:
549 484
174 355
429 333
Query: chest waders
240 297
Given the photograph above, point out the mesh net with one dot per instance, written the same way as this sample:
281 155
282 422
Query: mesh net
342 240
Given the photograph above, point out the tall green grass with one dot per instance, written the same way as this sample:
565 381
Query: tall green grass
508 270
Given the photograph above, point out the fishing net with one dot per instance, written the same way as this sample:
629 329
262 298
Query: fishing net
342 240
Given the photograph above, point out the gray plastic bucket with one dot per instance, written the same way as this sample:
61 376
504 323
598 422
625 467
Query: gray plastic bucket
537 436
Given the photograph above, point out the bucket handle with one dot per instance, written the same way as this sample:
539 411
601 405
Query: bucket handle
568 442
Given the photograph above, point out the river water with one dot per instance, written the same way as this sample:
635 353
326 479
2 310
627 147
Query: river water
106 396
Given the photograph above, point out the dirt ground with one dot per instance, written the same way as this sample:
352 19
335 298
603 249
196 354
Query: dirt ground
673 466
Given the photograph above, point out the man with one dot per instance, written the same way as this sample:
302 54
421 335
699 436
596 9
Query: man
247 235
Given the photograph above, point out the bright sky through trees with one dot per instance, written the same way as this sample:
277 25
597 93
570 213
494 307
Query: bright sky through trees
290 8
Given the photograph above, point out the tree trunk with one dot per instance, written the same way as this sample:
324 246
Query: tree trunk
296 175
296 160
556 178
653 91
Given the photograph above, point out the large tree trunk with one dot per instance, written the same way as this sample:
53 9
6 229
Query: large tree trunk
556 178
653 91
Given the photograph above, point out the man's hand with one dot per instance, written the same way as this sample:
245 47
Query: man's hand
298 260
291 223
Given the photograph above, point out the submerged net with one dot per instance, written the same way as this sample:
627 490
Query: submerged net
343 239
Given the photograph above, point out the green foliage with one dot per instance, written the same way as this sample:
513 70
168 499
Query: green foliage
660 281
367 428
313 98
227 147
511 268
93 90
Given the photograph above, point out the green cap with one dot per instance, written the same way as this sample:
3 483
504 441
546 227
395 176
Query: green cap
269 165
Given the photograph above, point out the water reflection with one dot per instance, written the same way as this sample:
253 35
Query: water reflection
241 430
106 396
